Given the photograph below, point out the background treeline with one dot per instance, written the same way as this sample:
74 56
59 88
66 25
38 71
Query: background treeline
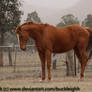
10 16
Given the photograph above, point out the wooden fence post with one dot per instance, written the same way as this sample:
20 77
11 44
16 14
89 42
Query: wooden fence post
10 56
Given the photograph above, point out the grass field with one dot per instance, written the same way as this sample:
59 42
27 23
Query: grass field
25 75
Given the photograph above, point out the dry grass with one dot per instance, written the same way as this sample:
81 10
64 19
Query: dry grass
28 65
70 82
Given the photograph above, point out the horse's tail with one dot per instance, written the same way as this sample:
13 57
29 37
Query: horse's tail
89 47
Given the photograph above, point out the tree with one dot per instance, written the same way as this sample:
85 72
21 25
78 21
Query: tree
68 20
33 16
87 21
10 16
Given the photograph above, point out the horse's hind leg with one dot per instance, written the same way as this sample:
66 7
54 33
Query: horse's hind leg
81 54
83 62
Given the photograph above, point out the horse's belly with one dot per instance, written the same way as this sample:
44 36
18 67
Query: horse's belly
63 48
60 50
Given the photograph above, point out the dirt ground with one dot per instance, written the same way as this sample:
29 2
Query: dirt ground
64 82
25 79
20 80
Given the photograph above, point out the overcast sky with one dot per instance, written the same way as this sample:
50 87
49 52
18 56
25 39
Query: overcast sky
46 8
54 4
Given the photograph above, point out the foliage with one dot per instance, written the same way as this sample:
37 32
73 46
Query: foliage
68 20
10 16
33 17
87 21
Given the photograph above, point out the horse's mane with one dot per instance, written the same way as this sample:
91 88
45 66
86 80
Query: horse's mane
27 23
35 23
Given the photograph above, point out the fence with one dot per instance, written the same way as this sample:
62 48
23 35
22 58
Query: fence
18 63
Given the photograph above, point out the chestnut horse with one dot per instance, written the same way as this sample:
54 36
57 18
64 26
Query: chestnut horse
49 39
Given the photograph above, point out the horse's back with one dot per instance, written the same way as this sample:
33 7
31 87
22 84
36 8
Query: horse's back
65 38
61 39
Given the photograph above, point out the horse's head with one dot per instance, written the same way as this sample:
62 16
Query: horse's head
26 30
23 36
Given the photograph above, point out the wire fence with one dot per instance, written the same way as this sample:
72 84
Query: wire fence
27 63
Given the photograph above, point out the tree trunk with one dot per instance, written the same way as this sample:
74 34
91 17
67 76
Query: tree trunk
9 55
70 63
1 49
1 57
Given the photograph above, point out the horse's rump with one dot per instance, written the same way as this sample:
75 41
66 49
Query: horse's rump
89 47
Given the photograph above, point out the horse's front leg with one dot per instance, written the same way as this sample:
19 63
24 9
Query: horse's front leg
48 58
42 58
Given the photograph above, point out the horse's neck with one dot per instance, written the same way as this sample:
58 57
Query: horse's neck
36 34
